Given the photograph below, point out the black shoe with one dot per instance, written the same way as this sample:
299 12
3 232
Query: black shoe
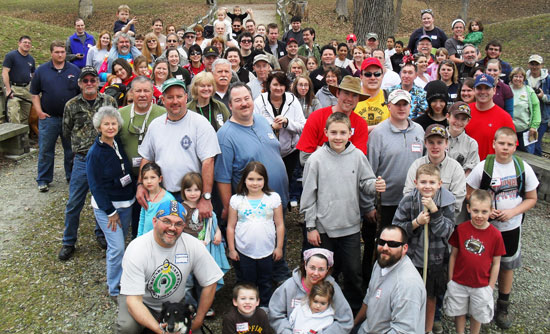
66 252
102 242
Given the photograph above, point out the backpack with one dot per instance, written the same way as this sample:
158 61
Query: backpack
488 175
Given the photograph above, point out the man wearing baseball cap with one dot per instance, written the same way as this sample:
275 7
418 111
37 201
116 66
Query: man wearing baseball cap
393 146
209 56
262 68
291 53
182 142
374 109
348 94
155 269
487 117
539 80
351 41
78 126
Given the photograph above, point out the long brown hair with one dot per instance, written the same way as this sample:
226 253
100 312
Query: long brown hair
253 166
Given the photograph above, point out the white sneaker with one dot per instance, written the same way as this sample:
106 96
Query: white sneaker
293 204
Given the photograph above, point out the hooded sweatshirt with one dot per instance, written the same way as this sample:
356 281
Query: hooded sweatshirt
291 294
335 186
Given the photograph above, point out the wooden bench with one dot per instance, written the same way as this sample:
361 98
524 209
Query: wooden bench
14 138
541 167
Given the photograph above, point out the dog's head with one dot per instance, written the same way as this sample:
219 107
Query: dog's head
177 317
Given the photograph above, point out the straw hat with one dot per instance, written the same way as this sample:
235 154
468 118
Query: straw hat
350 84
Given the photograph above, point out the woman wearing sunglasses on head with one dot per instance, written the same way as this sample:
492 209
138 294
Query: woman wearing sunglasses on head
428 28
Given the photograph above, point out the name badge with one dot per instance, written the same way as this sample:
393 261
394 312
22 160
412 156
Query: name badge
219 119
182 258
416 148
179 77
271 135
282 53
125 180
495 183
378 293
136 162
295 302
242 327
433 37
319 77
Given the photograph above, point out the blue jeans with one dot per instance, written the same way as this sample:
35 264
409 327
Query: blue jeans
49 129
543 128
259 272
115 245
78 189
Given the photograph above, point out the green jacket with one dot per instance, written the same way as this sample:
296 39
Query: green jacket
305 51
216 112
530 120
77 120
130 132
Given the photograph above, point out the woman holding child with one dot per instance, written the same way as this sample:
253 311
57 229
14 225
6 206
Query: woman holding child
293 292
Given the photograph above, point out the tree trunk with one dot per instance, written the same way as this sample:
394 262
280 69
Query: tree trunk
373 16
397 16
464 10
85 8
342 10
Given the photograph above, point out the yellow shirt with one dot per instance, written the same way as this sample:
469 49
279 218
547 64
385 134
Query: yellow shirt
373 110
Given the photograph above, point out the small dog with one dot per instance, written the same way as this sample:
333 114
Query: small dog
177 316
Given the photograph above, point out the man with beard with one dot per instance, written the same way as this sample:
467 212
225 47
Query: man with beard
259 45
469 59
396 298
123 47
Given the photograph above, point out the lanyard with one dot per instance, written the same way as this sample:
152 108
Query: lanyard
209 112
141 132
119 158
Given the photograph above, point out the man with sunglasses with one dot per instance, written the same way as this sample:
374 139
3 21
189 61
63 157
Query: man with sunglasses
245 43
437 35
396 299
374 109
78 126
137 117
155 268
54 83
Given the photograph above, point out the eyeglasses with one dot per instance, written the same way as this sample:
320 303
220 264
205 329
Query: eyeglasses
152 41
190 36
168 223
390 243
246 41
424 11
195 53
370 74
92 81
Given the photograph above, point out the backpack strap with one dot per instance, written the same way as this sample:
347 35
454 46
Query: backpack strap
487 175
386 94
520 175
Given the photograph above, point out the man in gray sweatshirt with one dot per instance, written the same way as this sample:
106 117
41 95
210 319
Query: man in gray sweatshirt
393 146
396 298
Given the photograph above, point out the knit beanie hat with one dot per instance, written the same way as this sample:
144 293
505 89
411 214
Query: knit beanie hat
436 89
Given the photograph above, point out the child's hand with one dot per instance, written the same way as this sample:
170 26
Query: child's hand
314 238
204 242
429 203
277 254
495 214
233 255
505 215
423 218
217 237
380 185
249 11
132 21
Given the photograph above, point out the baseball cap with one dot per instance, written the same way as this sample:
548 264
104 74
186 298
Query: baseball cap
460 108
535 58
172 82
435 130
484 79
398 95
291 40
189 31
211 51
425 37
260 57
372 35
370 61
352 37
171 208
88 70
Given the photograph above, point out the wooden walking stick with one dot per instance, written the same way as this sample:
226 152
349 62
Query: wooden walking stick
426 245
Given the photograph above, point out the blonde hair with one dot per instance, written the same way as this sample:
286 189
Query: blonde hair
123 8
200 78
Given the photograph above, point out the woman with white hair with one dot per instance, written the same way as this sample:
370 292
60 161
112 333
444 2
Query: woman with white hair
108 171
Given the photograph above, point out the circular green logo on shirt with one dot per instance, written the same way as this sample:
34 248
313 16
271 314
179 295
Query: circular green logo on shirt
164 281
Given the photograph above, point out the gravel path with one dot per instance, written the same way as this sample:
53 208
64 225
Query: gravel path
40 294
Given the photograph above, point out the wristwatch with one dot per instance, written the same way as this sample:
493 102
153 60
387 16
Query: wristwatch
311 229
207 196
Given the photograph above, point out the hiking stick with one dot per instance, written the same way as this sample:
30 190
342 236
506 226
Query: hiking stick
426 245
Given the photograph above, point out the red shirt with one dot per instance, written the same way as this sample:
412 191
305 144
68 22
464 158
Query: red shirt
476 249
313 134
484 124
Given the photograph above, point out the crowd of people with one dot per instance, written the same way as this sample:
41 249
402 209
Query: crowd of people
197 142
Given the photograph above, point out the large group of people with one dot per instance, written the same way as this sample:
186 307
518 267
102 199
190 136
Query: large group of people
197 142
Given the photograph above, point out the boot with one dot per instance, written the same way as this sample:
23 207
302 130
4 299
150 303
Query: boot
502 318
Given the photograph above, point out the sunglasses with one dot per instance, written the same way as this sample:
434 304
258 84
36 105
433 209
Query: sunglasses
92 81
391 244
190 36
424 11
152 41
246 41
195 53
172 41
370 74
